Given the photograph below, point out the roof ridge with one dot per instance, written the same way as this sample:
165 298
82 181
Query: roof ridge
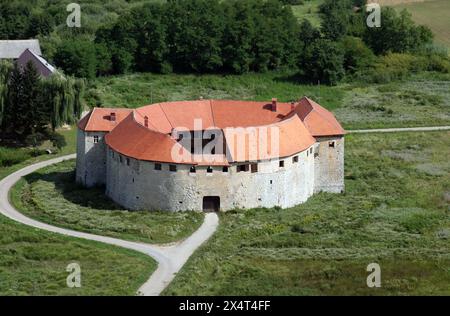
212 112
165 114
90 116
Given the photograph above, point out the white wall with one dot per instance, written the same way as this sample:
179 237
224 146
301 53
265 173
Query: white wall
140 187
329 165
91 159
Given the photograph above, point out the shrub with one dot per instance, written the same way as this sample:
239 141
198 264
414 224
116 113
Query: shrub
357 56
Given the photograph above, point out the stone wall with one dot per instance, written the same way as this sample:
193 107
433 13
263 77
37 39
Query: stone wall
136 185
329 165
91 159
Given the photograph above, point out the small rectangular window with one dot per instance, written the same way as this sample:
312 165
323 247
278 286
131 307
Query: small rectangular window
209 170
295 159
331 144
242 168
310 150
254 168
225 169
120 159
281 163
128 161
95 139
193 169
172 168
158 166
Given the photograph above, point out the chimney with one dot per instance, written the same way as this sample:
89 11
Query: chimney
274 104
146 121
113 116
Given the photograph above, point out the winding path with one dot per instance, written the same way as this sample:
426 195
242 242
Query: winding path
170 258
403 129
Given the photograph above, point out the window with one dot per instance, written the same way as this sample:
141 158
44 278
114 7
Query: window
281 163
331 144
193 170
254 168
95 139
158 166
128 161
209 170
310 150
225 169
242 168
173 168
295 159
120 159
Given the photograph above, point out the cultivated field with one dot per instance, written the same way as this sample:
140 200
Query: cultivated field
395 212
432 13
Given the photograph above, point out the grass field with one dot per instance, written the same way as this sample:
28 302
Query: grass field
309 10
395 212
33 262
434 14
69 148
51 195
423 100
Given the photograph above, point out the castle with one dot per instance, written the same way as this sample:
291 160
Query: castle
211 155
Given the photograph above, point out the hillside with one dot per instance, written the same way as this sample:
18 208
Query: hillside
432 13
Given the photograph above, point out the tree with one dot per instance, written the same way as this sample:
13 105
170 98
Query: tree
104 59
195 29
357 55
397 33
78 58
323 61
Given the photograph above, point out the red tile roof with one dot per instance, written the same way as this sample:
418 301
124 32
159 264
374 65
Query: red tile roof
295 128
318 120
99 119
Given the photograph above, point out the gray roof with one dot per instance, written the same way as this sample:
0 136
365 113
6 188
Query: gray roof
10 49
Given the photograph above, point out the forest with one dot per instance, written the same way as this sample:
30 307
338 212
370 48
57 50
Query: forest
232 36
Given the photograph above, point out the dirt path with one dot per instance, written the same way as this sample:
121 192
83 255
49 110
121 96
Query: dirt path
396 130
170 258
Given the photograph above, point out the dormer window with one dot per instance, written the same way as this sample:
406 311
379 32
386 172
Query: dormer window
113 116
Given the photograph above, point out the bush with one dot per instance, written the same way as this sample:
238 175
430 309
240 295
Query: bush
357 56
12 156
395 66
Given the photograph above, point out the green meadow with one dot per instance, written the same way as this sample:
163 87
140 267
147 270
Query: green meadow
395 212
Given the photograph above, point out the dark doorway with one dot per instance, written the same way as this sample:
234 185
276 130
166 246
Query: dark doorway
211 204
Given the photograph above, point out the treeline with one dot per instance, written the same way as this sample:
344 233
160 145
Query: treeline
239 36
31 107
20 20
